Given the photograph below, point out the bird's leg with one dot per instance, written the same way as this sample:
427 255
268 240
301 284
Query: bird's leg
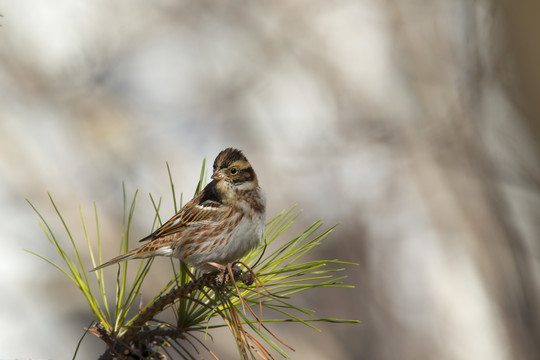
216 265
222 277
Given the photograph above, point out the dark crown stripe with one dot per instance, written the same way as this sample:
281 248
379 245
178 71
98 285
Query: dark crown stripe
227 157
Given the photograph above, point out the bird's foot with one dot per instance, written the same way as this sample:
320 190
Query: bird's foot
226 272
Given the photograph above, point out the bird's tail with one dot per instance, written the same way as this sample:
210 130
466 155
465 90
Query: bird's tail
157 247
127 256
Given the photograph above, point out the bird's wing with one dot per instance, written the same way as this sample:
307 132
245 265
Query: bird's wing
197 212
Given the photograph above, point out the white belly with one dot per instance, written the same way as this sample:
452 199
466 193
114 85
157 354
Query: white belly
245 237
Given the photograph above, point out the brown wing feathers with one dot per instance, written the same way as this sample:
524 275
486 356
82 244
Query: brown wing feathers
204 207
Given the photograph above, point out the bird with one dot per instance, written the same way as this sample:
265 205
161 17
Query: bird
219 226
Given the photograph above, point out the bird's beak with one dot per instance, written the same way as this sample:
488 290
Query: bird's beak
218 175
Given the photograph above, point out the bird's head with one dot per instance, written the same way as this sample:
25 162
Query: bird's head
232 167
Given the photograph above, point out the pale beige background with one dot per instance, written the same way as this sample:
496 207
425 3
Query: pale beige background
404 121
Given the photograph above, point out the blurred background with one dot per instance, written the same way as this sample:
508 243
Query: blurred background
411 123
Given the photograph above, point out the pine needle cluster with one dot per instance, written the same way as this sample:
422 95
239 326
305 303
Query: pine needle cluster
246 300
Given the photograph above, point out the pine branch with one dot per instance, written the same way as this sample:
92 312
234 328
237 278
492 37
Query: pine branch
131 341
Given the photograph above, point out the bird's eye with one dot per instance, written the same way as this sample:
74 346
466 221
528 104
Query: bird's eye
233 171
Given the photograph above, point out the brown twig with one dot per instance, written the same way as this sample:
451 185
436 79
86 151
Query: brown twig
136 333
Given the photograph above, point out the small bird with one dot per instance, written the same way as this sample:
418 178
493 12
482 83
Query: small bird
220 225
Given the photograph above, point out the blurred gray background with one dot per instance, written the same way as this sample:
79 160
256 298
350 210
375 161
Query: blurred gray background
411 123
